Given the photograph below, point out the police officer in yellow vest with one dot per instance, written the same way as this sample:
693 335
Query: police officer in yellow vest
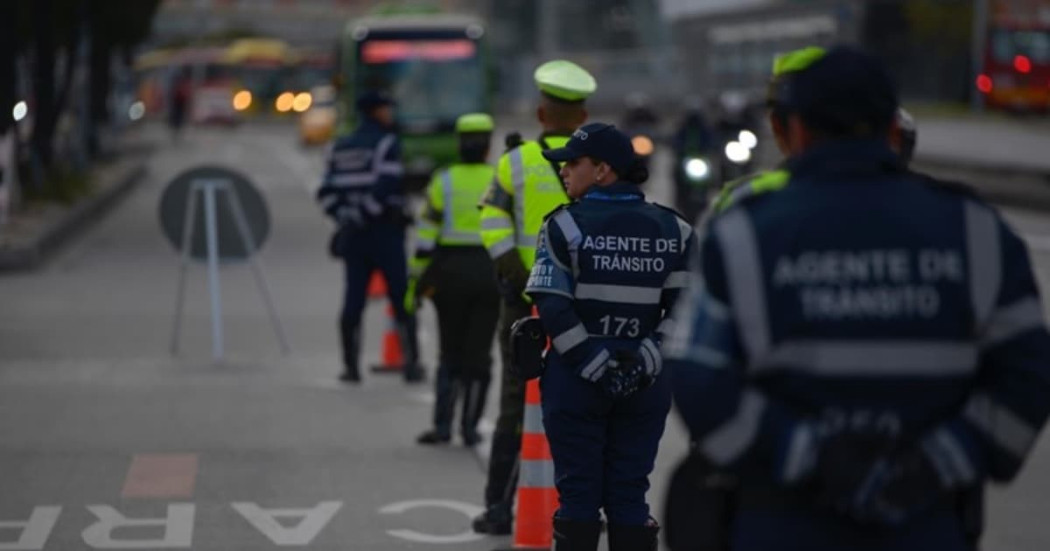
526 188
451 266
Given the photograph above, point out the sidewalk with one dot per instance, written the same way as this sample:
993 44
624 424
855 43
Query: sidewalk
39 229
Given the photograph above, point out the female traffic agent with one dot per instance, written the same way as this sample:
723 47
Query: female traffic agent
608 268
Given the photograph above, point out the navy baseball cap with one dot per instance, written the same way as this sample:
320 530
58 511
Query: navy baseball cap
370 99
844 91
601 141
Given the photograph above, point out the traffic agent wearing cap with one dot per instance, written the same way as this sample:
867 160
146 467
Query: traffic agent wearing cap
597 154
564 80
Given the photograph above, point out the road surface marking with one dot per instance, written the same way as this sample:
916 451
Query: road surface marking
161 475
468 510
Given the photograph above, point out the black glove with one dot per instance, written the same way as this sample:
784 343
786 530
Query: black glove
866 479
624 375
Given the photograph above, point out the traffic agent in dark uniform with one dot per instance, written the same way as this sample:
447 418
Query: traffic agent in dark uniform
863 347
608 267
452 267
363 193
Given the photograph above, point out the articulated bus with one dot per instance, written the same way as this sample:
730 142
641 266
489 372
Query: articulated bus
434 67
1016 73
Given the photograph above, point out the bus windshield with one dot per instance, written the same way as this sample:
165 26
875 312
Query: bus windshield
432 79
1034 44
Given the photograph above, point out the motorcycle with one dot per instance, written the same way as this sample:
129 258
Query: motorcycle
738 155
694 174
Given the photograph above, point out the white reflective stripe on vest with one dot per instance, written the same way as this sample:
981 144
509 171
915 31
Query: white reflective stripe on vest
356 179
1000 425
985 260
573 237
526 240
517 179
729 441
624 294
496 224
1010 321
501 247
747 293
685 231
841 358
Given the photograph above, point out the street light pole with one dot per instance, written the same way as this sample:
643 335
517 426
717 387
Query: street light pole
979 37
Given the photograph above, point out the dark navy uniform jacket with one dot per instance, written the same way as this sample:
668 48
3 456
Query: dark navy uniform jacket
363 177
608 268
862 298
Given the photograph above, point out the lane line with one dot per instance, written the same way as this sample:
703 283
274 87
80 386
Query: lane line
161 475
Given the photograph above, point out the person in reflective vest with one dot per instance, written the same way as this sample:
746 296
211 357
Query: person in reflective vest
526 188
863 347
608 268
452 267
363 193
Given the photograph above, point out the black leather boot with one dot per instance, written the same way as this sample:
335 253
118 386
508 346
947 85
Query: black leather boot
633 538
574 535
406 329
497 520
350 335
475 393
446 391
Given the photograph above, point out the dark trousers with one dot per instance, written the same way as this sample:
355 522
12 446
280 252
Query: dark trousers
603 449
506 440
467 304
377 247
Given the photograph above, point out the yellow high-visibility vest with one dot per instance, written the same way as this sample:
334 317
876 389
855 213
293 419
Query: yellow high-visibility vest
525 190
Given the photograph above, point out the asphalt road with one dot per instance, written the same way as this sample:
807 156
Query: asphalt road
108 441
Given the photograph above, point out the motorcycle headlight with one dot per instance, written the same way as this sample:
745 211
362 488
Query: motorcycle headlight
748 138
738 152
696 169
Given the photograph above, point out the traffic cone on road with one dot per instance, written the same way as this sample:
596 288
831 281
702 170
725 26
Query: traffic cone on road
537 496
391 358
376 285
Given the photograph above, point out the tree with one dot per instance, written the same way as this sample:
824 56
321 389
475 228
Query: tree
114 25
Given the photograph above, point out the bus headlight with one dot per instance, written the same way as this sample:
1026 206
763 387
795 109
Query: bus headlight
642 144
284 102
302 102
242 100
696 169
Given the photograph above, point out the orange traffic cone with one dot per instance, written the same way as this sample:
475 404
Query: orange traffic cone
376 285
391 359
537 496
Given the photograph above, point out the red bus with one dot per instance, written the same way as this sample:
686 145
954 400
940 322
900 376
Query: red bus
1016 73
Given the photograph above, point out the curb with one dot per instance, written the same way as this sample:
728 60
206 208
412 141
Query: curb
30 255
